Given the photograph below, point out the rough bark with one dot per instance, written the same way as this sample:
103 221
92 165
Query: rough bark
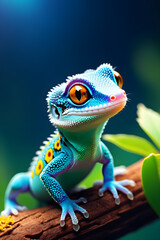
106 221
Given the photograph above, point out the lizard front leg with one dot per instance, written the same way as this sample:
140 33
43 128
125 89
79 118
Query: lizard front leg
57 166
109 183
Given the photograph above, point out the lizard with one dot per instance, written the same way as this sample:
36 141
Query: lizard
79 109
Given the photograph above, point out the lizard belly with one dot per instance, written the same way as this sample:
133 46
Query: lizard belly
38 190
68 180
83 166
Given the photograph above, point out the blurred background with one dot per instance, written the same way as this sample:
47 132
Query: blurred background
43 42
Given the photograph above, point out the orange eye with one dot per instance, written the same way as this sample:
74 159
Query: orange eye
79 94
119 79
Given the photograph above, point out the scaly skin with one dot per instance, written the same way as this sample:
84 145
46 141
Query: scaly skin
79 108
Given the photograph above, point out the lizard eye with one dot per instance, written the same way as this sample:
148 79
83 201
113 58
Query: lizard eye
118 78
79 94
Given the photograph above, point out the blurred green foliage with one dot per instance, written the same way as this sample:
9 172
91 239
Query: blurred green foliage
131 143
151 180
146 62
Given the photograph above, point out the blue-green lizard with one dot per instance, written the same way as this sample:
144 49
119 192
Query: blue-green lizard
80 109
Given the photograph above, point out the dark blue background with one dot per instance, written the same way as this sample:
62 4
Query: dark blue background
42 42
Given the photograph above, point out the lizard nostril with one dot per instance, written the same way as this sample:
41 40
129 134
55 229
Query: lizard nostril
112 98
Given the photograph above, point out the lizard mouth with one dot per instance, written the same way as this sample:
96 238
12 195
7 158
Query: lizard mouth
98 109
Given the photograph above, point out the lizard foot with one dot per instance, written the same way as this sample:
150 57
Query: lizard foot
12 207
69 207
113 186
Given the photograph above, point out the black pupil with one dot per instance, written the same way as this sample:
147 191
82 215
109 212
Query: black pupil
78 94
117 80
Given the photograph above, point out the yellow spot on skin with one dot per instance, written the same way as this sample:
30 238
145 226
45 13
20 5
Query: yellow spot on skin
32 173
49 155
6 222
57 145
60 137
39 167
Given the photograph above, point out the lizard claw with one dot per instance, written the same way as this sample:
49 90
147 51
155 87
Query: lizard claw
113 186
76 227
130 196
69 207
117 201
100 193
62 223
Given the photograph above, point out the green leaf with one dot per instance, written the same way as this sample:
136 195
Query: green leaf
151 180
131 143
149 121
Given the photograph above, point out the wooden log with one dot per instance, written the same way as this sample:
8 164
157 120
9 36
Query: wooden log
106 220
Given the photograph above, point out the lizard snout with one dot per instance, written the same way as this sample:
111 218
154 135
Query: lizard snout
119 97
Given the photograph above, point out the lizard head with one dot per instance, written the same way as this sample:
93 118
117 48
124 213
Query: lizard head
91 97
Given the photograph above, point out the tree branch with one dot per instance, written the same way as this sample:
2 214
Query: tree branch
106 218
